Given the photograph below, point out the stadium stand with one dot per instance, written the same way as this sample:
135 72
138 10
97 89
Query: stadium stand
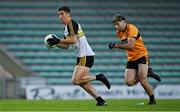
24 24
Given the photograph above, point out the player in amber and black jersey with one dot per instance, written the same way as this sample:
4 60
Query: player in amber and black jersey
137 68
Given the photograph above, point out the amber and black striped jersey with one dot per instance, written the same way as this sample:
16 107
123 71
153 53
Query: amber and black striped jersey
81 47
139 49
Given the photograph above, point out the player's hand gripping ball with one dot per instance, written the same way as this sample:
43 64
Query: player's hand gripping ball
51 41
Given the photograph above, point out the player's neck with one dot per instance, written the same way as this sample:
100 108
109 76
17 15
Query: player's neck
125 27
67 21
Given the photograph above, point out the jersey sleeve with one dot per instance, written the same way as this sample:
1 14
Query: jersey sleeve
72 27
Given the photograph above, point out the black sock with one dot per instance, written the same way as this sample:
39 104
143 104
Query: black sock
99 99
151 98
98 77
149 70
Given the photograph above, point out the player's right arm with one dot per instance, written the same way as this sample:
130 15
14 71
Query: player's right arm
128 45
55 41
71 38
63 46
129 41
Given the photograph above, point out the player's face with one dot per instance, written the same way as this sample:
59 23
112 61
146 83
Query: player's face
63 16
120 25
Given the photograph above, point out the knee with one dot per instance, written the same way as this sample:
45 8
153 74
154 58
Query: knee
143 80
130 83
75 82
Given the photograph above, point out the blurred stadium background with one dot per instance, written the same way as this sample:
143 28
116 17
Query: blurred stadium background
24 60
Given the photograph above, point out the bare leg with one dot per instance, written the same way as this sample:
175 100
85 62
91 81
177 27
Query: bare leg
81 75
143 69
86 79
81 78
89 88
131 77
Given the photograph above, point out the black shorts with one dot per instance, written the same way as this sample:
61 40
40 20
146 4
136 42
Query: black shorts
134 64
87 61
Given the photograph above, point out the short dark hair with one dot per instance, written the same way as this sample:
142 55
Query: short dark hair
64 8
118 17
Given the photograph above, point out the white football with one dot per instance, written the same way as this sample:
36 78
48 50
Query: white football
48 37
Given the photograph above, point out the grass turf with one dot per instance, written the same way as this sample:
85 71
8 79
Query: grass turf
88 105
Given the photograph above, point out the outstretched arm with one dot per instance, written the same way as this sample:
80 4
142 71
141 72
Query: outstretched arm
64 43
69 40
63 46
128 45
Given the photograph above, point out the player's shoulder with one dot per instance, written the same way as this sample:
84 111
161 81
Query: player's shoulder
74 22
132 27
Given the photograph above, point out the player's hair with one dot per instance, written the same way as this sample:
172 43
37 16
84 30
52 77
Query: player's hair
118 17
64 8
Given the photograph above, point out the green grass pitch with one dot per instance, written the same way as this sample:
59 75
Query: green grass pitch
88 105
